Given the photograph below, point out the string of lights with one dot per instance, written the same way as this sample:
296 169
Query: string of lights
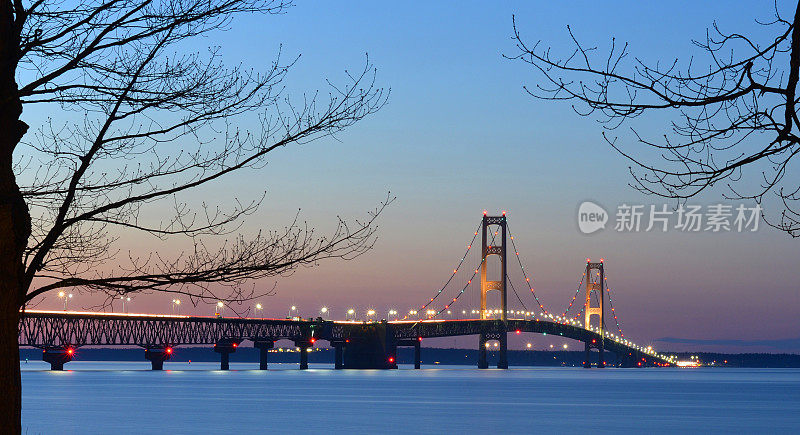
436 296
508 279
577 290
524 274
613 311
580 313
446 307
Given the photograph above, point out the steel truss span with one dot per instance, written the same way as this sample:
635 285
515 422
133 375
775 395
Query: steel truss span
51 329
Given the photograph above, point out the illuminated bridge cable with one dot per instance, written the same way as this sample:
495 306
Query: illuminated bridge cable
508 279
613 311
578 290
461 292
436 296
524 274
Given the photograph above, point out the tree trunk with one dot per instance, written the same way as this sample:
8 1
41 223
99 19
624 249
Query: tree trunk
15 228
10 382
15 225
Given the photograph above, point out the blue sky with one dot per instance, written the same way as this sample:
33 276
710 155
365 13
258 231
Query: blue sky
459 135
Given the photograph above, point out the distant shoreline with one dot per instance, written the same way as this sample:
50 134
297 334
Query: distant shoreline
429 356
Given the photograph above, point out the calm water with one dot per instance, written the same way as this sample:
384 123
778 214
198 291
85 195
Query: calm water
102 397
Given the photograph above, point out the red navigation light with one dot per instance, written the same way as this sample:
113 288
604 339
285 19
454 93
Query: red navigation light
588 260
484 212
391 359
594 341
347 341
518 332
419 338
235 344
312 340
640 364
169 350
70 351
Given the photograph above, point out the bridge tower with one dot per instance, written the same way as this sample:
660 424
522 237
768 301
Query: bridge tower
487 286
589 311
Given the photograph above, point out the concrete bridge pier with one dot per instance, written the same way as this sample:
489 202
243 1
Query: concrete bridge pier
587 361
157 355
224 349
263 347
304 345
601 360
338 354
483 362
371 346
57 356
502 361
417 353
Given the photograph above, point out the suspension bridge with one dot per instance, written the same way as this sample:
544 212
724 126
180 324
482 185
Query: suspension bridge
368 344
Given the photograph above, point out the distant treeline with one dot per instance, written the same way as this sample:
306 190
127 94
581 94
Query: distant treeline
429 356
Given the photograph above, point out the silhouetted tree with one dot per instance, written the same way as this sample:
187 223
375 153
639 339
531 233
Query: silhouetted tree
137 122
735 111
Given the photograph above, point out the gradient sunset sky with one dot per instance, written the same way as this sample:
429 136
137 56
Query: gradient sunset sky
459 135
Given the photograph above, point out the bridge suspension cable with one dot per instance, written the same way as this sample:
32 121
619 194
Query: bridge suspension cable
577 291
449 304
508 279
525 274
613 311
438 293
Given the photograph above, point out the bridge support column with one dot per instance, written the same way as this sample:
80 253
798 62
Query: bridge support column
157 356
483 362
417 353
587 359
303 358
587 363
304 345
224 349
263 347
58 356
337 356
601 361
502 361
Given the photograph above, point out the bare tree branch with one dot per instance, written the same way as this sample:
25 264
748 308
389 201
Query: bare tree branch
735 119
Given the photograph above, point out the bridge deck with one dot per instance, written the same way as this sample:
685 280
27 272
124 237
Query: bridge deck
57 328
